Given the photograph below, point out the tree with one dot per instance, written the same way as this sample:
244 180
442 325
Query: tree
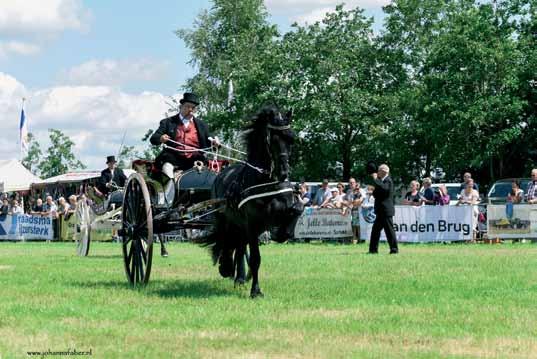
59 158
329 74
33 157
230 42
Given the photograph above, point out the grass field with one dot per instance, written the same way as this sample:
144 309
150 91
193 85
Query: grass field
321 301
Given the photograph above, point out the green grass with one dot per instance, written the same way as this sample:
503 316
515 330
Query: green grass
321 301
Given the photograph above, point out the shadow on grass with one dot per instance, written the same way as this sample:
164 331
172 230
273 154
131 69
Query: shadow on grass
187 289
103 256
163 289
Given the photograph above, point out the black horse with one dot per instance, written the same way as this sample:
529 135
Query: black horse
258 197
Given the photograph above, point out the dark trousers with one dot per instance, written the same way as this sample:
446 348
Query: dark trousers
386 223
177 160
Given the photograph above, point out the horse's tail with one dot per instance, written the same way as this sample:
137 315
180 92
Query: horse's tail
210 241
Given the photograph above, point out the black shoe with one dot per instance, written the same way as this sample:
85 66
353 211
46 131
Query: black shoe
394 251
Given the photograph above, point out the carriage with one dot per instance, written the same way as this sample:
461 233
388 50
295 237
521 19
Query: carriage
148 215
231 208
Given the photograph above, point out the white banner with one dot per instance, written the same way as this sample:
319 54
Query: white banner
425 223
512 221
25 227
323 223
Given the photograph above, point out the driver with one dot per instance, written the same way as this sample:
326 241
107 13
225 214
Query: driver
187 133
110 175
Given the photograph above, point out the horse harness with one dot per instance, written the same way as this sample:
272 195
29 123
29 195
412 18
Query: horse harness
271 189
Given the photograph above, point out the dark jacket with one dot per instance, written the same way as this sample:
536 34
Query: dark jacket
168 126
106 176
383 194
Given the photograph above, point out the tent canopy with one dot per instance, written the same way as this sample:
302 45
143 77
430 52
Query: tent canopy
15 176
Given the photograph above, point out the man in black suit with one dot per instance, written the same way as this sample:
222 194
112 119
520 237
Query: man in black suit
111 176
384 210
187 132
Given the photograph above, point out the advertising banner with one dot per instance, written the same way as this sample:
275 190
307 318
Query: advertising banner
512 221
425 223
24 226
324 223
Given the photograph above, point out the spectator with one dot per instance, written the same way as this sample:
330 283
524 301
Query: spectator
38 208
305 196
369 199
332 201
469 195
428 193
322 195
413 197
531 192
50 208
516 195
353 199
16 208
63 206
4 210
467 178
442 197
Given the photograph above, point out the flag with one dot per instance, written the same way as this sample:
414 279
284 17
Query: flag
23 128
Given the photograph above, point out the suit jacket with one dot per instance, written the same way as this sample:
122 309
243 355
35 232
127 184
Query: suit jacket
106 176
169 125
383 194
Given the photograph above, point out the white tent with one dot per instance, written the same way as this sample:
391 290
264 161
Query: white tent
15 177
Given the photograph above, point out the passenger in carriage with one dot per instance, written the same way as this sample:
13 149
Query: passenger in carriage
110 176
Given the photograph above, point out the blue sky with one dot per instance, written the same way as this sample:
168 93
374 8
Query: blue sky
95 69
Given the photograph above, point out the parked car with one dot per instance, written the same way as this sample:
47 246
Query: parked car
501 188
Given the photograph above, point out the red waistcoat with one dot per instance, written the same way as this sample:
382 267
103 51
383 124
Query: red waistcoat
187 136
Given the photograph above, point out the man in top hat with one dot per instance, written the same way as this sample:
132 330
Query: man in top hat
187 132
111 176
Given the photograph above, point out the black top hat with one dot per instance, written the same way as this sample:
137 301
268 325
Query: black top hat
371 167
189 97
110 159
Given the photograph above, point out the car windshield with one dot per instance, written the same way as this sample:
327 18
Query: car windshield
502 189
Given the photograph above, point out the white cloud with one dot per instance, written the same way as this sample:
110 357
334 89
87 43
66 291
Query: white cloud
114 72
308 6
94 117
309 12
17 47
27 25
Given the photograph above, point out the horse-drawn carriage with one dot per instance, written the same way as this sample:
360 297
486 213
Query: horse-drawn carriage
232 208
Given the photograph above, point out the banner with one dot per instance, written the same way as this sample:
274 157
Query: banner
512 221
425 223
324 223
22 226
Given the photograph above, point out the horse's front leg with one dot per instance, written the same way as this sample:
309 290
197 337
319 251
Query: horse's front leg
239 262
255 263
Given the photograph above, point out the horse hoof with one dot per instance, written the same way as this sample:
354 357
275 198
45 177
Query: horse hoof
239 282
256 294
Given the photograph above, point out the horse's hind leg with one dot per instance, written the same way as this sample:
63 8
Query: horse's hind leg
255 263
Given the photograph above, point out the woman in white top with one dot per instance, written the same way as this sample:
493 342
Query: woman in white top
16 209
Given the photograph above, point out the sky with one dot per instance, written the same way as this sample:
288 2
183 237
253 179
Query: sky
100 70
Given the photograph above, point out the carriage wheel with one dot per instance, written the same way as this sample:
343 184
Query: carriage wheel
83 229
137 231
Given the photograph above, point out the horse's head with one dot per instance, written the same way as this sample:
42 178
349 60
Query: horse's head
279 138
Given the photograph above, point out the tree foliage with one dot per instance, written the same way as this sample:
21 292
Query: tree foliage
449 84
59 157
33 157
